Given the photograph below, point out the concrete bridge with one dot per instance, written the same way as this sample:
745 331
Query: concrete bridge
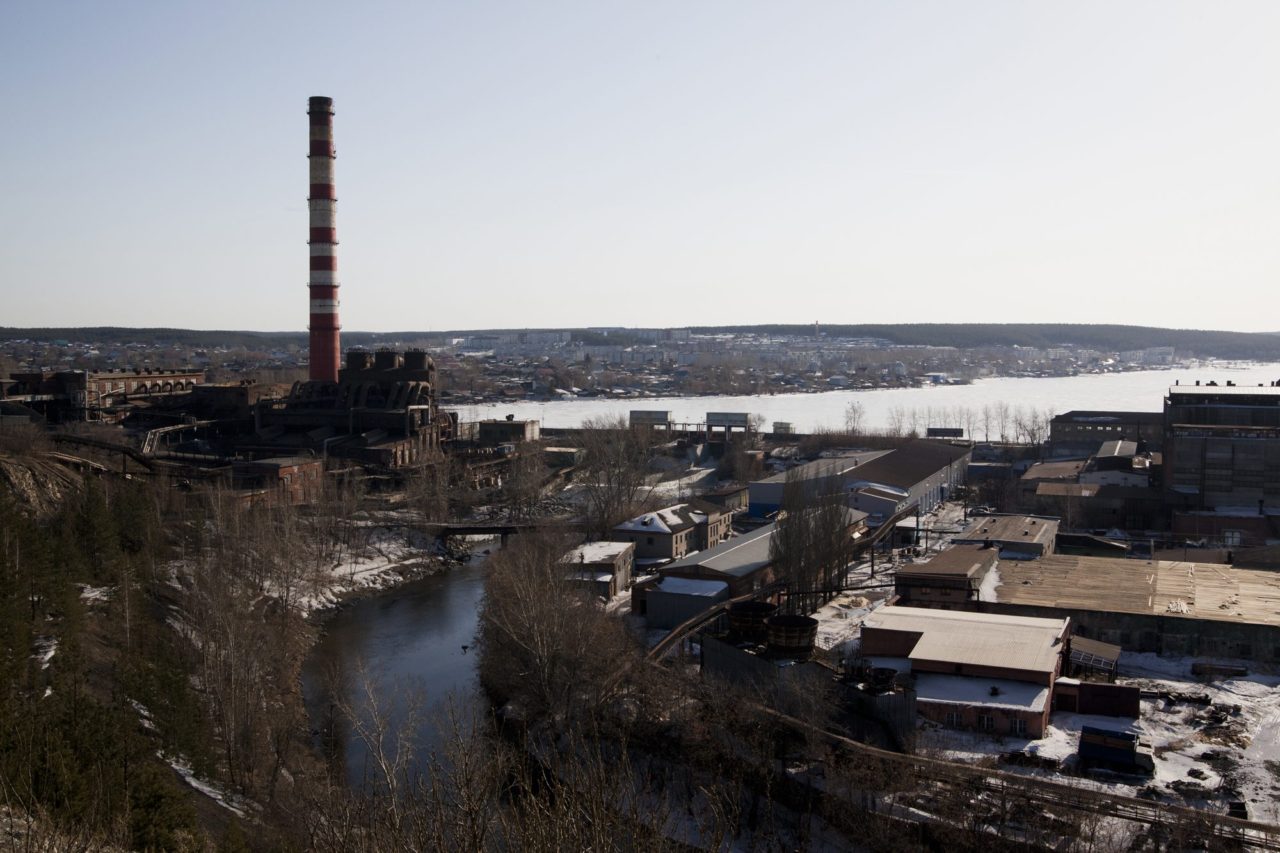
502 529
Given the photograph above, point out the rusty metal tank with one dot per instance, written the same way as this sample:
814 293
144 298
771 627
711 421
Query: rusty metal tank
747 619
791 635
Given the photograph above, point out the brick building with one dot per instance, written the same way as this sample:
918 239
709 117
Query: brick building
989 672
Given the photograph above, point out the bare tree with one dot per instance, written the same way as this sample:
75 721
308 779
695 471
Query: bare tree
615 471
388 743
898 419
854 417
811 546
526 477
429 491
1002 417
544 645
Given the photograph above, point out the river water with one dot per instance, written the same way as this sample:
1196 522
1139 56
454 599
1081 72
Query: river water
1139 391
410 641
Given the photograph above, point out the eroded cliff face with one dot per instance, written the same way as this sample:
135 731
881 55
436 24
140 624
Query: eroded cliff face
38 486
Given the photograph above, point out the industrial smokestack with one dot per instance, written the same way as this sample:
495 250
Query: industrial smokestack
323 283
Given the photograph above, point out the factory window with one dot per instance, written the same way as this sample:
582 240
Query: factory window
953 719
1018 726
986 722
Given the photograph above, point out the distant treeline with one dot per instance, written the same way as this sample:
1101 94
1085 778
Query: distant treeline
1107 338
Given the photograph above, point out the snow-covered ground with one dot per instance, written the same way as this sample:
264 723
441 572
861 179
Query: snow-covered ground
1225 745
390 556
685 486
1203 751
230 802
95 594
840 621
46 648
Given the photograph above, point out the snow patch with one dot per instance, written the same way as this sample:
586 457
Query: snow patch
144 716
1212 740
46 648
92 594
228 801
990 583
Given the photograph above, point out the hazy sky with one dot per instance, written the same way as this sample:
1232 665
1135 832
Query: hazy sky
646 163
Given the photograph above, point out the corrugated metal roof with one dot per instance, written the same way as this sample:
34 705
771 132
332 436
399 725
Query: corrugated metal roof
836 466
1224 390
959 560
1010 529
1171 589
739 557
911 463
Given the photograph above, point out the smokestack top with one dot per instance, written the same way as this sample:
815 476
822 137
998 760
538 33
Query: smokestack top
319 103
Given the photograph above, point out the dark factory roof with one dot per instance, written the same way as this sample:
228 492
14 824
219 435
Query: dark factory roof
911 463
959 560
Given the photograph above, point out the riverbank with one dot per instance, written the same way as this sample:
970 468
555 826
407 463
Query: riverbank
388 549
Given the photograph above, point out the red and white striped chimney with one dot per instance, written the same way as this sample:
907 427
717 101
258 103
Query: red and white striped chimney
323 283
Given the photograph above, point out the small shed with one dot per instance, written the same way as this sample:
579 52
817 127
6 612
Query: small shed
674 601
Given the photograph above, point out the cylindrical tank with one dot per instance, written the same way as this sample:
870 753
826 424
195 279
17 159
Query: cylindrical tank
415 359
359 359
791 636
386 359
747 619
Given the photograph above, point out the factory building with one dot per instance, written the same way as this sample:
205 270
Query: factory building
949 581
990 672
921 474
670 533
94 395
1080 433
816 478
1222 462
1166 607
1015 537
382 411
691 585
381 408
602 568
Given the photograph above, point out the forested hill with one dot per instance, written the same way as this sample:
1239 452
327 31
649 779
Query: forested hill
1107 338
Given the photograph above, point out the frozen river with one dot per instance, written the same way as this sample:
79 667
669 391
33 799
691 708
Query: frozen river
1141 391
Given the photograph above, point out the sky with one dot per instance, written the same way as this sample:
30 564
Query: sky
656 163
